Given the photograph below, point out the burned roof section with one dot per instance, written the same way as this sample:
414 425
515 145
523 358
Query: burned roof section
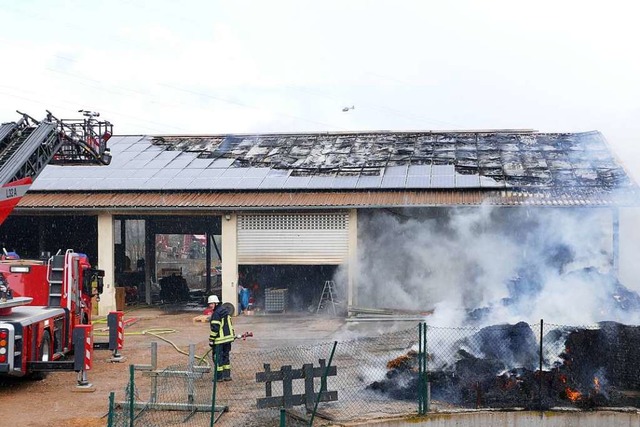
527 160
579 166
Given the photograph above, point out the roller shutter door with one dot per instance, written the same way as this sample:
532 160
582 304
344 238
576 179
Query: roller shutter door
293 238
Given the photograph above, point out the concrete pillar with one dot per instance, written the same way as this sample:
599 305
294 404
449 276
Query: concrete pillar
106 262
230 259
352 265
149 259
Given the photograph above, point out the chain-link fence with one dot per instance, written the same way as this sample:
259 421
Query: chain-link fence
535 366
503 366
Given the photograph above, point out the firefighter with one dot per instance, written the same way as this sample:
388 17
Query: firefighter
221 337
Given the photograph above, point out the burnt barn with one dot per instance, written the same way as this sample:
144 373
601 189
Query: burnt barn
487 221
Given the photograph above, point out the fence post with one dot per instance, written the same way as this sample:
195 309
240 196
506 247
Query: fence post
540 355
324 378
111 409
283 418
427 389
420 349
215 381
131 395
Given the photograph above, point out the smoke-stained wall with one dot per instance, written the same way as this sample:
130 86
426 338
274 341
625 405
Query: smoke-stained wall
489 265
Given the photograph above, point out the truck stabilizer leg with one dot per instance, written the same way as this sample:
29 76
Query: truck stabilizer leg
116 335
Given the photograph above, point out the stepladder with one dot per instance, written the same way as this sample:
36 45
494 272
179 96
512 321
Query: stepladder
329 298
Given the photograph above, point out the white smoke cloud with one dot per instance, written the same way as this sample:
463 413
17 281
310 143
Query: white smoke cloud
491 265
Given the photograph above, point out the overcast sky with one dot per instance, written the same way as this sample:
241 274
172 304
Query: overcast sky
168 67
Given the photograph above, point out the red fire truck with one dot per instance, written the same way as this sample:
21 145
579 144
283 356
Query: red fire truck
45 305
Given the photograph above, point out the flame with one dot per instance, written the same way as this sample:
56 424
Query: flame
572 395
596 384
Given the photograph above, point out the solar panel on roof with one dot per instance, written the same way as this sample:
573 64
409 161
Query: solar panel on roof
254 172
178 183
221 163
210 173
396 170
369 181
226 183
442 181
138 173
320 182
249 183
135 164
467 181
443 170
234 172
418 181
181 161
199 163
345 182
156 183
189 173
159 161
393 181
273 182
201 183
297 182
419 170
166 173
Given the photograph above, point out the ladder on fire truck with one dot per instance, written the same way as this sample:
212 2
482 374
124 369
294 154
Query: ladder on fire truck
28 145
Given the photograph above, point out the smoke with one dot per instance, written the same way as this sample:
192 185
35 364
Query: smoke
487 265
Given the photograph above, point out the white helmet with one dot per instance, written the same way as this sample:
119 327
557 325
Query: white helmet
213 299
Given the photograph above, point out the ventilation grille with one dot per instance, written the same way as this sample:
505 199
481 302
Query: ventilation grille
294 222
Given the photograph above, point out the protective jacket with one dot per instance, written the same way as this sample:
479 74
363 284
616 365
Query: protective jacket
221 326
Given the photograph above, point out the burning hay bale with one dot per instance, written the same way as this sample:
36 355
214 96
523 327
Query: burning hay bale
496 368
401 379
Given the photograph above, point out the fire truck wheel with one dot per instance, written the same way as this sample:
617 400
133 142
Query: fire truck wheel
45 356
45 347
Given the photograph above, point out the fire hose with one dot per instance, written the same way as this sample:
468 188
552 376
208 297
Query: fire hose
243 337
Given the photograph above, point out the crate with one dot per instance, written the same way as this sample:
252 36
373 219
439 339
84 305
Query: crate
275 300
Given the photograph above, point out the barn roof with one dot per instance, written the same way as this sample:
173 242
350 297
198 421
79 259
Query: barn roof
349 161
342 170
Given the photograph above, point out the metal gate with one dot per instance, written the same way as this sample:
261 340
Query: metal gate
314 238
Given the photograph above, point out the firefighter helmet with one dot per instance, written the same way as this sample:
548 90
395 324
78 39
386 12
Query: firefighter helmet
213 299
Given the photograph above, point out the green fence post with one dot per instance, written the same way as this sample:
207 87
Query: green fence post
425 374
541 360
323 381
213 393
132 395
283 419
420 349
111 409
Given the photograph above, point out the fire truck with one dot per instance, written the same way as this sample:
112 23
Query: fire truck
45 305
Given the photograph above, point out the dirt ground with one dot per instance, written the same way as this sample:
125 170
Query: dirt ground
56 400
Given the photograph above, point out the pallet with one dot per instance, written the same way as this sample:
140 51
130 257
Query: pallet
203 318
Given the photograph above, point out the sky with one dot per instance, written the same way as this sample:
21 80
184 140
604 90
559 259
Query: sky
208 67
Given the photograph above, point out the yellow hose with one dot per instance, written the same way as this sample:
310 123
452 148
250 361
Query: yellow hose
156 332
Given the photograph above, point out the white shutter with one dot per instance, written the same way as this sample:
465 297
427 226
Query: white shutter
315 238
